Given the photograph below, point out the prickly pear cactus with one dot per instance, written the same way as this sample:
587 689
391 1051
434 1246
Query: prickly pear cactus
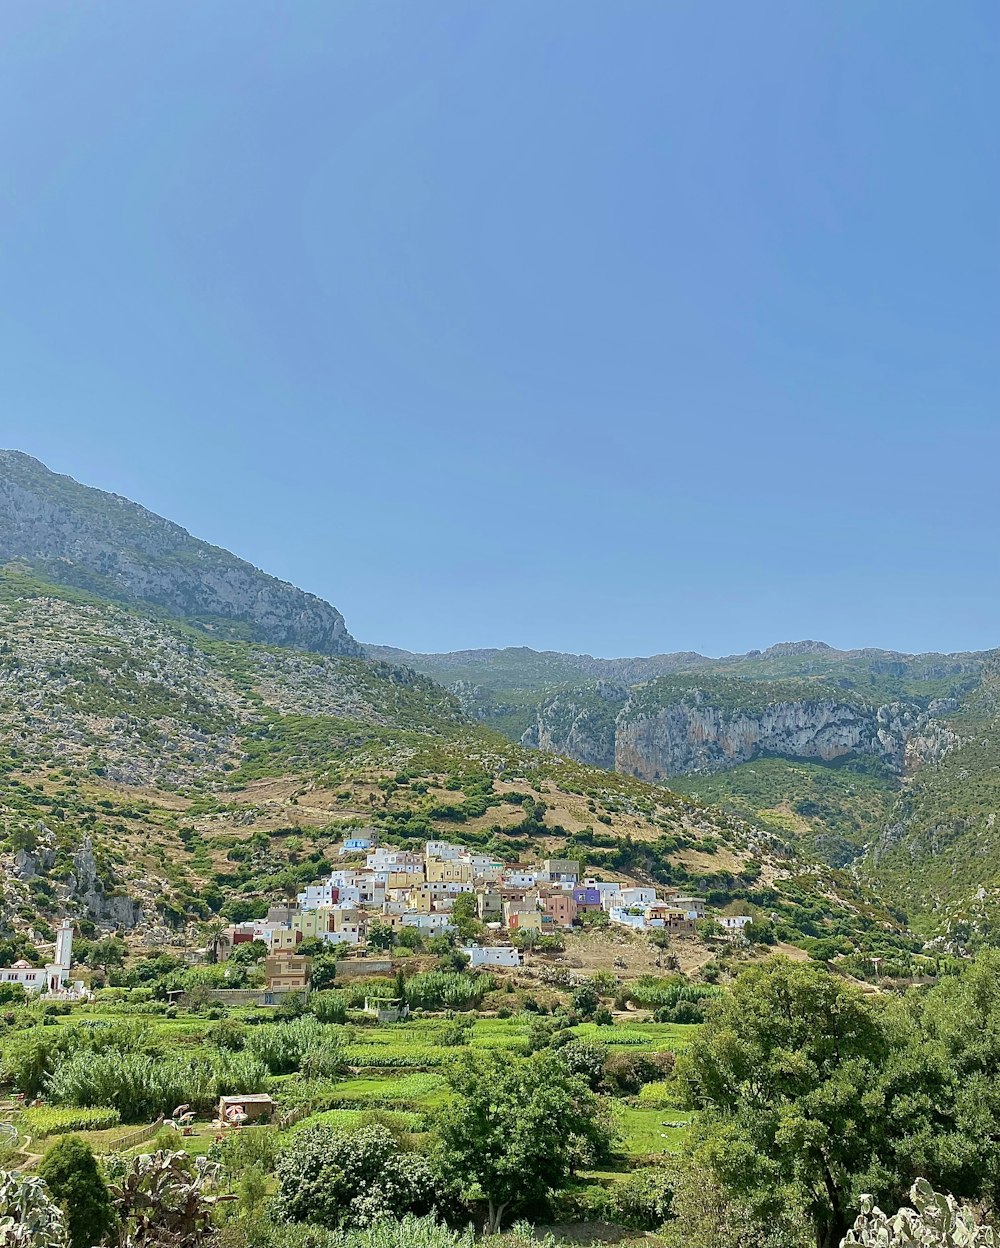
935 1221
28 1216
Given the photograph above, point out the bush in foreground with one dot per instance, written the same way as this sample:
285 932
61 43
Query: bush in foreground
29 1217
350 1179
69 1170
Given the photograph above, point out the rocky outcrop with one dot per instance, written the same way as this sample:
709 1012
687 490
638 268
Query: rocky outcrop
693 734
689 737
79 536
86 888
584 730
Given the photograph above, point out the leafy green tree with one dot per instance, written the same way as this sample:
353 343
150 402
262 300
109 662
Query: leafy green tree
350 1178
323 972
811 1094
252 1190
70 1172
761 931
247 954
625 1073
465 916
107 953
515 1131
381 936
586 1059
707 1215
959 1020
644 1200
586 1000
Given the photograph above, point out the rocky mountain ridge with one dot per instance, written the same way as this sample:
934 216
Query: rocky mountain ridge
689 733
74 535
160 674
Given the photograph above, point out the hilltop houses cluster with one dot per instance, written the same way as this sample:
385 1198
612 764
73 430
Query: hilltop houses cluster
402 888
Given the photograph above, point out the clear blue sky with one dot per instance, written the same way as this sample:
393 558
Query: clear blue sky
620 327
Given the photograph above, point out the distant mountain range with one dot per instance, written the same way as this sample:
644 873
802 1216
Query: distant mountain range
882 761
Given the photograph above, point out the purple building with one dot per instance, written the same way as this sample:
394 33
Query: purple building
587 898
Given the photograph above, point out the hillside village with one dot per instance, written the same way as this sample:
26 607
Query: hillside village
394 890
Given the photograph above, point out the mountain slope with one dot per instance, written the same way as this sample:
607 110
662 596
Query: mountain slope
181 733
938 851
72 534
852 755
151 776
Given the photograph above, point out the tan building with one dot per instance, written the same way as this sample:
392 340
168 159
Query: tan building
286 972
312 923
253 1107
405 879
489 906
441 872
674 920
422 901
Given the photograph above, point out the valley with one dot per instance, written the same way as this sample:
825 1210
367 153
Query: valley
358 890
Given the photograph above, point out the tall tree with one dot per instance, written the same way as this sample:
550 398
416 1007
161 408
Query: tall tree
812 1094
70 1172
515 1130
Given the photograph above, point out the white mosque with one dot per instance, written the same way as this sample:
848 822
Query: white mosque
53 978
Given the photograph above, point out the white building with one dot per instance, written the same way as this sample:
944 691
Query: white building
693 907
433 923
625 918
734 922
443 850
359 844
484 866
52 978
394 860
638 896
492 955
520 879
605 888
349 934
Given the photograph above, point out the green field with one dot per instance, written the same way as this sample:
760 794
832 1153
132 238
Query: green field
647 1132
397 1072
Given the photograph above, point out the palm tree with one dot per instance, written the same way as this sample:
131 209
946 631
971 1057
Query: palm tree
215 937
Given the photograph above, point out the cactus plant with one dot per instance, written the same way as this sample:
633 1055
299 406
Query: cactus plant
162 1200
28 1216
935 1221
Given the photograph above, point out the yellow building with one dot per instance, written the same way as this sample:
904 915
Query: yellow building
422 900
404 879
440 872
312 923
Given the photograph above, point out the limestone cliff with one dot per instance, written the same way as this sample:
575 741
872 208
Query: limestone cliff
693 737
580 724
671 733
75 535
